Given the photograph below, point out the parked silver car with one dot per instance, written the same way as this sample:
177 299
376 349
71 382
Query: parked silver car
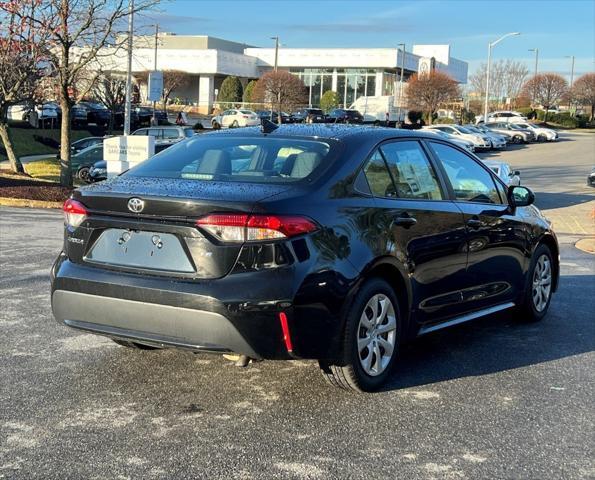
514 132
503 170
496 140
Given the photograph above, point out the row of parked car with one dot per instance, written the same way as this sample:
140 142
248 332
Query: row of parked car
246 118
81 115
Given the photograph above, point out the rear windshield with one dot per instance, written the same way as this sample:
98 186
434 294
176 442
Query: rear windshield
235 159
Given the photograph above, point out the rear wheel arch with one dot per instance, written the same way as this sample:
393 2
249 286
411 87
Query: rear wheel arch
388 271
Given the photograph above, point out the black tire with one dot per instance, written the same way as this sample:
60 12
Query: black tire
235 124
129 344
517 139
216 125
527 311
347 372
83 174
541 138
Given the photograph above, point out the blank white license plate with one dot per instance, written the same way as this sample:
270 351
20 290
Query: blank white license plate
133 248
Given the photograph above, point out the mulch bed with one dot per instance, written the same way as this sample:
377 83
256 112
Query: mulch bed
23 186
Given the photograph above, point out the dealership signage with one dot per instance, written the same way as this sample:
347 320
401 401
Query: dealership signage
155 88
122 153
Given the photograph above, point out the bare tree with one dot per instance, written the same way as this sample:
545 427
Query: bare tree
281 89
80 32
506 80
583 91
110 90
549 88
427 92
21 55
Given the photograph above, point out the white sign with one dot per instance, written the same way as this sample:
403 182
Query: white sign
425 66
155 88
122 153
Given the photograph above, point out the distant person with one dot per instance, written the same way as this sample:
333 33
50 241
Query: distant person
532 114
180 119
386 119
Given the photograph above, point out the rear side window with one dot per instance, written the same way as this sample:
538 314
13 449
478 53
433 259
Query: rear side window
236 159
378 177
411 170
170 133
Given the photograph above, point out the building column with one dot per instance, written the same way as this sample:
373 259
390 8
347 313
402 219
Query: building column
335 80
206 93
379 83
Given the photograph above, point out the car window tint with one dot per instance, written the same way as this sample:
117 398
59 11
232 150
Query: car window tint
469 180
411 170
378 177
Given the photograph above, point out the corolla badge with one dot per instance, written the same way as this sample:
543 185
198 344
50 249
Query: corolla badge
136 205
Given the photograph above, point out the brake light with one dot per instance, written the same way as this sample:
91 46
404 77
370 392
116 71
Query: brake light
246 116
74 213
254 228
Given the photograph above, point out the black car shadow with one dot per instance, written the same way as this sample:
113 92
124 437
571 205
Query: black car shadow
547 200
499 343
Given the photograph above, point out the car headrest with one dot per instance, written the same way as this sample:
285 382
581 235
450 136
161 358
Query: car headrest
288 164
304 164
215 162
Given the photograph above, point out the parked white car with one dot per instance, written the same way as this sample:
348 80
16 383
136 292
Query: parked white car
21 112
498 141
541 134
235 118
469 146
503 116
503 170
478 139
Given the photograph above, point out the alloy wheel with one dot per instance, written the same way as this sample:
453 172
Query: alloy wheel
542 283
376 335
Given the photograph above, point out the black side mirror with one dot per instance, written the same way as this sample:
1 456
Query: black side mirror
520 196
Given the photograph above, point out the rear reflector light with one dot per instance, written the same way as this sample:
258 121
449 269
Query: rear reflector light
254 228
285 329
74 213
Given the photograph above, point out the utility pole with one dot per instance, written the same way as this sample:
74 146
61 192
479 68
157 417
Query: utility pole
490 45
536 50
127 106
571 80
401 79
155 69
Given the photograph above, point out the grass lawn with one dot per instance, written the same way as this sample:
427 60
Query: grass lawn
44 169
38 141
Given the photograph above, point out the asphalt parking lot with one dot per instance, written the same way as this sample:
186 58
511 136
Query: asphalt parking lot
490 399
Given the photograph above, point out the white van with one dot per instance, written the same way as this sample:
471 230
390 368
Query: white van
374 109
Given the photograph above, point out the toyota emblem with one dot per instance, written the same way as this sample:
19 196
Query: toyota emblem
136 205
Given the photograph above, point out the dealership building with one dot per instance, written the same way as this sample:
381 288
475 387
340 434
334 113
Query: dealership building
352 72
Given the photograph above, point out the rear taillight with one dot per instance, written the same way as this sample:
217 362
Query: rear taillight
74 213
254 228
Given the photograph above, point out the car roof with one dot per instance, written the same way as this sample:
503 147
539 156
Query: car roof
331 131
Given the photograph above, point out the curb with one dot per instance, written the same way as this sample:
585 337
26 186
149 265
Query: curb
24 202
586 245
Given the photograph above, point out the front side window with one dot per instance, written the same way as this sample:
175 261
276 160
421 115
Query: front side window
470 181
411 171
170 133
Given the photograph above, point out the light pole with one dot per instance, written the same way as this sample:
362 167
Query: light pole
401 78
127 105
490 45
275 70
571 80
536 50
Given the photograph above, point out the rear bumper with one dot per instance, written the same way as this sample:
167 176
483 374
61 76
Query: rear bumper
151 323
215 316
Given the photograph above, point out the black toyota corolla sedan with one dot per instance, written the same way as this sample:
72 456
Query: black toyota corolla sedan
326 242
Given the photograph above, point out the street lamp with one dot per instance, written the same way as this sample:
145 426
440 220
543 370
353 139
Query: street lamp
401 79
490 45
536 50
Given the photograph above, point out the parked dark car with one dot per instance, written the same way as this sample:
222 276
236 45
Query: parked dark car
96 113
342 115
82 161
308 115
78 116
326 242
266 115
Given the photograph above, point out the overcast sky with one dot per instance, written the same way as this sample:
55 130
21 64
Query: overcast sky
557 28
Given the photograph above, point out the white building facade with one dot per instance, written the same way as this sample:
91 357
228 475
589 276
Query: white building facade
351 72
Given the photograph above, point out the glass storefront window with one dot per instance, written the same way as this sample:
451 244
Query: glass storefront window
341 88
327 83
371 86
315 90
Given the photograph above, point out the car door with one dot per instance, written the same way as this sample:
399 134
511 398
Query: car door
497 238
228 118
425 229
